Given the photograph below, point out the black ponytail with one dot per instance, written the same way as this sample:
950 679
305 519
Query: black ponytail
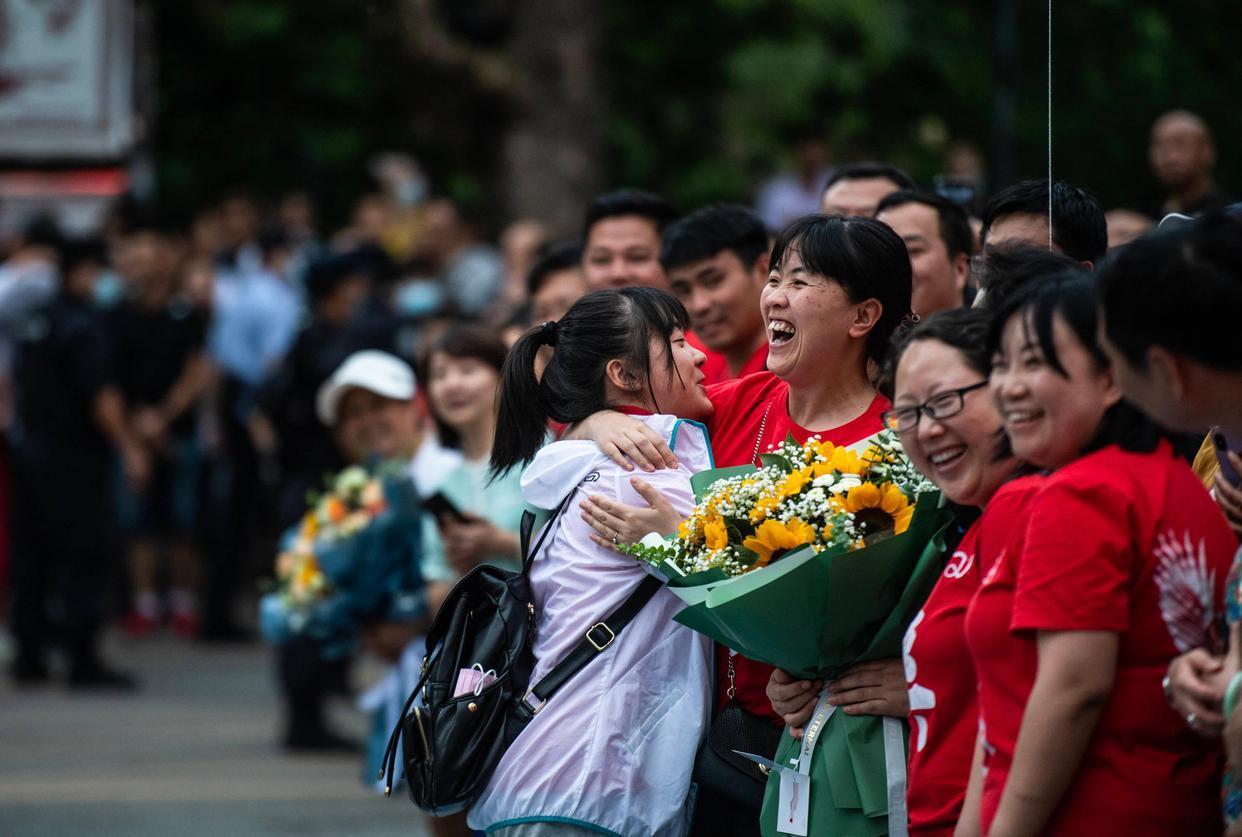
602 326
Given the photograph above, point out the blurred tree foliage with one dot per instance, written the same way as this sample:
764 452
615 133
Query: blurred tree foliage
698 98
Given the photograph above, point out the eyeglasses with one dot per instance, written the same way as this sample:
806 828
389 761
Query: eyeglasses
940 406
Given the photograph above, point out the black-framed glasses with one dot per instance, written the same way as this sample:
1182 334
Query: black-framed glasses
940 406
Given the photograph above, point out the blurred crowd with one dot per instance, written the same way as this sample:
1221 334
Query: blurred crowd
162 386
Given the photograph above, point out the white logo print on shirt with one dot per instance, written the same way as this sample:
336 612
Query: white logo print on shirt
1186 587
921 697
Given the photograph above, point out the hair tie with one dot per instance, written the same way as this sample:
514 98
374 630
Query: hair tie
548 333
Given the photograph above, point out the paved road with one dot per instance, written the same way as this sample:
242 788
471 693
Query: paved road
193 753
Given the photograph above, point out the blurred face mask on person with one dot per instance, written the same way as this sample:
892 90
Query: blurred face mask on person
557 294
858 196
462 390
1049 416
678 391
958 451
938 279
810 321
370 426
721 295
623 252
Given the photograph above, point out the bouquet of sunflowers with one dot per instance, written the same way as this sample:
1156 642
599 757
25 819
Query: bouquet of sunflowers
813 562
354 556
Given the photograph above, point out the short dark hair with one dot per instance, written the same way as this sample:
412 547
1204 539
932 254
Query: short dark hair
963 329
600 327
864 256
867 171
1181 290
76 252
1002 270
551 259
1078 225
709 230
954 225
42 231
628 202
1071 295
465 341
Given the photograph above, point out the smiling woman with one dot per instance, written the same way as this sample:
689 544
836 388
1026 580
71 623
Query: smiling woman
837 290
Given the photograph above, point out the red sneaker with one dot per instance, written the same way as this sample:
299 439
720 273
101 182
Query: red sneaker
184 625
137 626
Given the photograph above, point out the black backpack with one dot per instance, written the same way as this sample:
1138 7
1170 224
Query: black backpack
451 745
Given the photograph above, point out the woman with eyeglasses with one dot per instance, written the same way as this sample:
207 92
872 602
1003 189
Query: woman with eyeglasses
951 430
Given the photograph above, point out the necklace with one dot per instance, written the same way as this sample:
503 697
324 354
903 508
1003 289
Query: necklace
763 424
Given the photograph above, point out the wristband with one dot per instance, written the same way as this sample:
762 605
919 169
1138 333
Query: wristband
1231 694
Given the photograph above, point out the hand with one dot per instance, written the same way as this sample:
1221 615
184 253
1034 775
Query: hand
617 523
1195 689
1229 498
466 543
793 699
626 441
136 463
875 688
150 427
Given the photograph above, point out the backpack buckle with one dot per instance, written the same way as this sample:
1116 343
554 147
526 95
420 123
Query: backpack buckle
603 642
534 710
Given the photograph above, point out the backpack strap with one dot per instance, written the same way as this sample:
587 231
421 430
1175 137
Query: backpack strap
528 527
594 642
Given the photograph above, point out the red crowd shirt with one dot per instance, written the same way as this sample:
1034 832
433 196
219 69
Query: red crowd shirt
944 716
755 410
1123 542
716 367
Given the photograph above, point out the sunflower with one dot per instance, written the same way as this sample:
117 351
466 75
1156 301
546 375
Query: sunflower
715 533
881 508
772 536
839 459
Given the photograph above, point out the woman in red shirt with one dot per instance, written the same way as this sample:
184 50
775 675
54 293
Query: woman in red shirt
951 431
1120 565
837 290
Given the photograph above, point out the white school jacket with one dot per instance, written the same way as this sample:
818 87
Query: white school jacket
614 748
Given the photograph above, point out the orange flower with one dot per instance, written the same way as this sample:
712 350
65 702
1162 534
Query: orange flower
335 510
772 536
716 534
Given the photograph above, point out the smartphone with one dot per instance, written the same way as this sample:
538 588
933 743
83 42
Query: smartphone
1224 444
443 508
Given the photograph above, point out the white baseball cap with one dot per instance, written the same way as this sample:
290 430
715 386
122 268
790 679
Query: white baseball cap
374 371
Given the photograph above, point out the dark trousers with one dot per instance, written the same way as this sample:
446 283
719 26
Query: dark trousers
63 548
306 679
232 513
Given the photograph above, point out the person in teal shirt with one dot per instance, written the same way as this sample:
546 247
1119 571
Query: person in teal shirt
463 377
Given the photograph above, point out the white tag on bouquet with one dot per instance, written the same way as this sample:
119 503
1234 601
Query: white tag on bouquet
794 805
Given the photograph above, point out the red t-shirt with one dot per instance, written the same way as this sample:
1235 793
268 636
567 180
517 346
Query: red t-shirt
1122 542
754 411
716 367
944 716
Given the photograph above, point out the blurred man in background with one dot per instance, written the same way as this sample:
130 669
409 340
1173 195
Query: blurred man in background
856 190
717 263
796 193
621 240
162 371
939 239
70 422
1182 158
1019 215
555 283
